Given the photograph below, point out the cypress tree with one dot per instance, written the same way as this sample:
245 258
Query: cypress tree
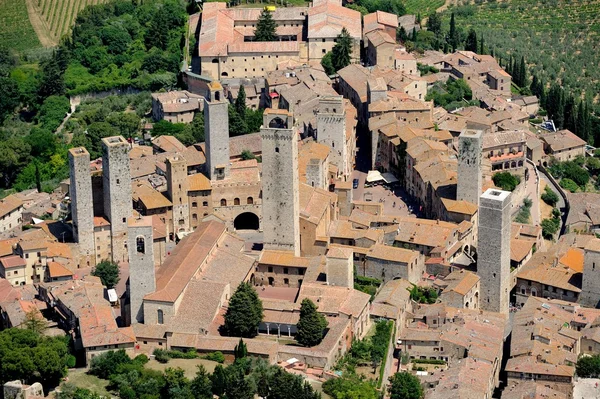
534 86
240 102
340 55
570 114
452 35
471 42
265 27
414 34
523 73
311 324
245 312
482 47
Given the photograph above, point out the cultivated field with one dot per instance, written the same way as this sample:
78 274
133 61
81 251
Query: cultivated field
16 32
559 38
58 15
423 7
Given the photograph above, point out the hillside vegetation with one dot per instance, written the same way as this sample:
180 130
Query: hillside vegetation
16 31
59 15
559 38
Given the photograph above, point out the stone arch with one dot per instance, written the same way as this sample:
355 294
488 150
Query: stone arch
224 74
246 221
513 164
236 201
215 61
277 123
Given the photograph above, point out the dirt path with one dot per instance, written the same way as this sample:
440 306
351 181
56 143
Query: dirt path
39 26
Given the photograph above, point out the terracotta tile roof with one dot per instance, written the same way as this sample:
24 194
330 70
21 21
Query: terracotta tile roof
59 250
140 151
393 254
462 207
34 239
560 277
216 30
55 269
395 293
573 259
528 364
12 261
379 20
188 256
251 142
282 258
193 156
333 300
200 304
100 221
9 204
198 182
6 246
429 233
531 390
502 139
593 245
355 75
315 203
377 38
150 197
562 140
467 379
461 282
328 19
344 229
168 144
520 248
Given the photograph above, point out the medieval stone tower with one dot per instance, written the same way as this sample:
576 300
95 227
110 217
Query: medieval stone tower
216 132
331 131
82 210
590 290
177 188
493 250
141 265
470 146
340 267
280 204
117 192
376 91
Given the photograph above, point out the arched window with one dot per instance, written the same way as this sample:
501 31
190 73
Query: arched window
141 245
533 292
236 201
215 61
286 281
205 203
250 201
223 202
194 204
195 217
160 316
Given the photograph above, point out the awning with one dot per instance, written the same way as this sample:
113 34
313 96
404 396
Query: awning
373 176
389 178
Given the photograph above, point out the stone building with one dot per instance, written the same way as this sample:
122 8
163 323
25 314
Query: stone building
117 192
216 127
175 106
563 145
469 166
493 250
386 263
82 211
590 292
331 131
178 188
141 266
505 150
460 289
281 215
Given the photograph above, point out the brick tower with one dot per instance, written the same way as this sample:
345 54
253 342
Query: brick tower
493 250
216 132
82 210
117 192
281 224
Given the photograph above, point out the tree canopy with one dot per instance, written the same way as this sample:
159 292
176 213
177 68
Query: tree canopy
311 324
108 272
340 54
405 386
245 312
265 27
506 181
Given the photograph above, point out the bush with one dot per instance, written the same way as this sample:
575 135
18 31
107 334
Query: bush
161 355
588 366
215 357
569 184
105 364
506 181
423 295
525 212
550 227
549 196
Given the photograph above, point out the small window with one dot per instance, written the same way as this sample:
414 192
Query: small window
205 203
249 201
141 247
118 181
276 149
160 316
285 270
270 269
194 205
286 281
223 202
236 201
195 217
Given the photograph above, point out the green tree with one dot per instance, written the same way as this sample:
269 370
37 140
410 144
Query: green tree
401 35
14 156
555 105
453 34
405 386
342 50
265 27
311 324
218 380
593 165
506 181
108 272
350 386
53 111
588 366
327 63
201 385
128 123
107 363
549 227
237 123
35 322
52 78
176 385
240 351
568 184
245 312
471 42
522 72
482 46
240 102
9 97
549 196
434 23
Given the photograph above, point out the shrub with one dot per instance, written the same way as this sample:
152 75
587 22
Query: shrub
568 184
588 366
161 355
215 357
506 181
71 361
550 227
549 196
105 364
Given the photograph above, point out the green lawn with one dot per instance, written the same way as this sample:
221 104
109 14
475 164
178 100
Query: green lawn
16 32
188 365
79 378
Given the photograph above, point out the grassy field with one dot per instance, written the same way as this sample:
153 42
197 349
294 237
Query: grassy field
559 38
59 15
79 378
16 32
424 7
188 365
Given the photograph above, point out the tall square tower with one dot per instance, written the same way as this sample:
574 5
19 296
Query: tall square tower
493 250
178 187
141 265
216 132
590 290
331 131
82 210
470 146
116 182
280 204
